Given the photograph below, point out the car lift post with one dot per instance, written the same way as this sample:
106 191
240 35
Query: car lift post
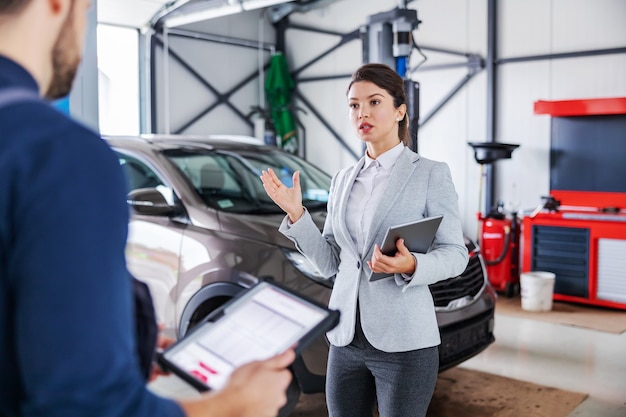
387 39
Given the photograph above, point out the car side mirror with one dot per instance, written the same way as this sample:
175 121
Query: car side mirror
150 202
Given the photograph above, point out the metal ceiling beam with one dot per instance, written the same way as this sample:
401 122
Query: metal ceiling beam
202 11
168 8
228 40
561 55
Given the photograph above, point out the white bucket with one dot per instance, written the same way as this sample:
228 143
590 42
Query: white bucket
537 288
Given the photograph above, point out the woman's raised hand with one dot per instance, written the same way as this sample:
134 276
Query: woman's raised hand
288 199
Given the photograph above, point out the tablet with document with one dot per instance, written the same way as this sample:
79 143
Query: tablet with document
260 322
418 237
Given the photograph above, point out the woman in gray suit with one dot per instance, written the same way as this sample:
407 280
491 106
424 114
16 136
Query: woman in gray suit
385 346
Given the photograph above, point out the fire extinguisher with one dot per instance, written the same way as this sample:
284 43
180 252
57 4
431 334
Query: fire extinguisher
499 242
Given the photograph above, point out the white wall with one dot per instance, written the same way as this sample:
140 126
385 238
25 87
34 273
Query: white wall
526 27
118 80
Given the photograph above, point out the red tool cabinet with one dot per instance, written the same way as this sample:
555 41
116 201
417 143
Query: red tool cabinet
582 238
585 250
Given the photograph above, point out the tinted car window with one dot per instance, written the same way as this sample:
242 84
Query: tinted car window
138 174
229 181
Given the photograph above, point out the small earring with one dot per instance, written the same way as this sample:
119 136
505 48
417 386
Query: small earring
399 118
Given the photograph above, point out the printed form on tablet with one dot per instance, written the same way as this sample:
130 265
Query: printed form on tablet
262 323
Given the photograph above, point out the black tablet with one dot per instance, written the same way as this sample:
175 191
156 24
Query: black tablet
258 323
418 237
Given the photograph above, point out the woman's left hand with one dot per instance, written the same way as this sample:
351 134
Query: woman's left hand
403 262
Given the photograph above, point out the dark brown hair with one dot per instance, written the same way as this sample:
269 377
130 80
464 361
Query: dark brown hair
389 80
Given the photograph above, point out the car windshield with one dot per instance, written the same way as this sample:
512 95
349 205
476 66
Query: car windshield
230 181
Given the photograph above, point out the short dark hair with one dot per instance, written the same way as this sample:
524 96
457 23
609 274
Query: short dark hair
389 80
12 6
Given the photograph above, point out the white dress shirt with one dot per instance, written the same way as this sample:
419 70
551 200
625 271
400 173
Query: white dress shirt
366 191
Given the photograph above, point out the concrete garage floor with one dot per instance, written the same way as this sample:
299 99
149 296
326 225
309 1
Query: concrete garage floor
561 356
554 355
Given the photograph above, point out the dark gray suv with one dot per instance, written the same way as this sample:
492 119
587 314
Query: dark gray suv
202 230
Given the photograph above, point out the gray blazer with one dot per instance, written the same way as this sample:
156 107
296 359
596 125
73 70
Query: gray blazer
396 315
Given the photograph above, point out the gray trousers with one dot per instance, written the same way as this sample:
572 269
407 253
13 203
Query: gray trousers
358 374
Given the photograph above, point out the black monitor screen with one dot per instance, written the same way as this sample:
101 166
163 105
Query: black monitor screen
588 153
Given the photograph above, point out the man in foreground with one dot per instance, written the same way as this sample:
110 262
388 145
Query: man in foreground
66 331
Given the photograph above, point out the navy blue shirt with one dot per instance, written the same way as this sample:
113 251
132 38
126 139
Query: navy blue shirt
67 343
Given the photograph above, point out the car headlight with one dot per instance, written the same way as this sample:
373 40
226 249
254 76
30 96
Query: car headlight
303 265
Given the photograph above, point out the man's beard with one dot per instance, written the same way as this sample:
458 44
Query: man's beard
65 61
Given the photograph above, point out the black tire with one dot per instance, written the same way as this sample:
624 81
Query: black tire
204 310
293 396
